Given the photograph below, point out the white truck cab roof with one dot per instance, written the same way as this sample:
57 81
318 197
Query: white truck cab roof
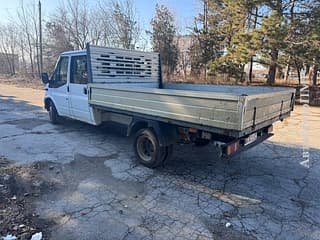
76 52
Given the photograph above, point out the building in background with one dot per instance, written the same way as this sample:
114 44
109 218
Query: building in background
258 71
184 44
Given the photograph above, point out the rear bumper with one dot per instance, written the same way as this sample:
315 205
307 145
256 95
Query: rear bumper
239 146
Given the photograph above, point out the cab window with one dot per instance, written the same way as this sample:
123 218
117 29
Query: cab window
79 70
60 76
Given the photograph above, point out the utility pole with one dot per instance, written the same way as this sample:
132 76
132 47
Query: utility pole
205 28
205 15
40 39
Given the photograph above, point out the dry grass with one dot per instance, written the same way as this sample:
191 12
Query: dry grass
22 81
221 80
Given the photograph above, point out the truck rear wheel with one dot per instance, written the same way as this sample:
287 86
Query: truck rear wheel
147 149
53 114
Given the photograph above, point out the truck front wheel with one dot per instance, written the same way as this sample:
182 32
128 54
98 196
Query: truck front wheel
147 149
53 114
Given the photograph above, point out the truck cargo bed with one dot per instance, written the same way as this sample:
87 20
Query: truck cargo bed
130 82
220 108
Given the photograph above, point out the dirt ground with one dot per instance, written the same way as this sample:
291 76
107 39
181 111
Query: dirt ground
76 181
21 81
19 186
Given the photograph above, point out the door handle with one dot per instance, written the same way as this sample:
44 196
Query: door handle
85 91
68 89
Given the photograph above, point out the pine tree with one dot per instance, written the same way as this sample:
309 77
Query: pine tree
162 36
281 34
233 27
207 43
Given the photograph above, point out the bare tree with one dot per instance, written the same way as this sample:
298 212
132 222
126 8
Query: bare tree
8 47
28 38
56 42
121 23
74 18
98 31
33 14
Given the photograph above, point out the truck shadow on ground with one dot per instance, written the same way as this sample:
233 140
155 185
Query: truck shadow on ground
12 104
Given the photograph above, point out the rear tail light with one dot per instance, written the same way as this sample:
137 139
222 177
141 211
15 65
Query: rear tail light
232 148
193 130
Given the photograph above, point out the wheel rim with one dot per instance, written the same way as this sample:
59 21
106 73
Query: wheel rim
145 148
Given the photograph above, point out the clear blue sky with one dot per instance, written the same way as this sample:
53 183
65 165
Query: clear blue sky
184 10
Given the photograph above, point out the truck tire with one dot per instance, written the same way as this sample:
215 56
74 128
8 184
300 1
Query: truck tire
147 149
168 153
53 114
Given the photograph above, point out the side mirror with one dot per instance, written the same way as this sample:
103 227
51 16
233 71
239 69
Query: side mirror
45 78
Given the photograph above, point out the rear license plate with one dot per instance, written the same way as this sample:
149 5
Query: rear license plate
253 137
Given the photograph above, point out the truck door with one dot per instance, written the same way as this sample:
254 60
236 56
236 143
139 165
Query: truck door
58 87
78 92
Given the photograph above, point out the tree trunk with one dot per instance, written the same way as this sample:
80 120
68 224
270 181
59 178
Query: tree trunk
205 72
9 60
185 72
307 70
241 77
38 59
251 70
24 65
30 54
273 66
251 59
287 73
315 73
299 72
13 66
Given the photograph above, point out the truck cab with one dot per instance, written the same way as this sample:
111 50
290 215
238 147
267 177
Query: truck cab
67 90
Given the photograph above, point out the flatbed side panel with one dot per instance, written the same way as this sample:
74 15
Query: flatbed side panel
209 112
225 89
151 88
260 108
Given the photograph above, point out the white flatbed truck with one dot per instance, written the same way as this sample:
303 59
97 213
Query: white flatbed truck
99 84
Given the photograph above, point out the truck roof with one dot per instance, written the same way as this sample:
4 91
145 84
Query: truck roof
84 51
75 52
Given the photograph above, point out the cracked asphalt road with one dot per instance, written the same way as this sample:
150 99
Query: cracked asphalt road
102 193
